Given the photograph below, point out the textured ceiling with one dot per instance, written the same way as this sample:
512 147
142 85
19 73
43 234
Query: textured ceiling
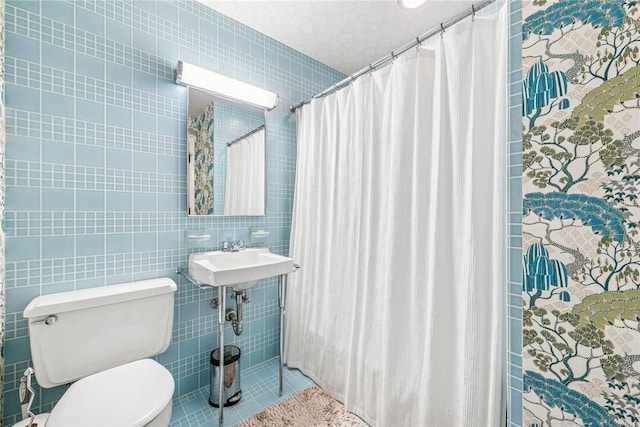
346 35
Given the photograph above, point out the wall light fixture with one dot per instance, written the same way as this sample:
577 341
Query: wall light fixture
410 4
225 87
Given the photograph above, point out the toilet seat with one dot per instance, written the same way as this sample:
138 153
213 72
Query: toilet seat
130 395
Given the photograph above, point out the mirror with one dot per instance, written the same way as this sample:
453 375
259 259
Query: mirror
226 158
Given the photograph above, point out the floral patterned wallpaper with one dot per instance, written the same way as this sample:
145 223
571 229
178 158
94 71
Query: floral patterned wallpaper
200 132
581 165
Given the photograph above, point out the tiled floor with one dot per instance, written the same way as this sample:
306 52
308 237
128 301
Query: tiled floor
259 390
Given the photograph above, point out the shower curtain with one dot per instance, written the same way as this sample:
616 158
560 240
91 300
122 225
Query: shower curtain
399 225
244 191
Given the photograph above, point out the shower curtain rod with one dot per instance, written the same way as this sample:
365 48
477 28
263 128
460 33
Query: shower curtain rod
394 54
259 128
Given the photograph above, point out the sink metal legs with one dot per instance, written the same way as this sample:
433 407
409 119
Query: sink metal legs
282 294
222 310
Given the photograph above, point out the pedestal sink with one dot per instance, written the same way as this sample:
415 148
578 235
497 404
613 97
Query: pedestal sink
240 270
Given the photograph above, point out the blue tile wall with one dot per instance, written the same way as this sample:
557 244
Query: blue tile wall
2 202
514 324
96 143
95 170
514 218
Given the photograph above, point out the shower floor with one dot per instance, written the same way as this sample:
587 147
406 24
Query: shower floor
259 391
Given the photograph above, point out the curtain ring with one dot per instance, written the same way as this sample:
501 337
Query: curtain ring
473 13
418 43
441 30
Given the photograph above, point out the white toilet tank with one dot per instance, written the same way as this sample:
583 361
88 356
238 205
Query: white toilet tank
79 333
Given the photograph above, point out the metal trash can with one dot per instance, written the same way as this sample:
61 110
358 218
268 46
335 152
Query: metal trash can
231 393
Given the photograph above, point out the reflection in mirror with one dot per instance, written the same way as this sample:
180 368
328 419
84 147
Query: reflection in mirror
226 145
245 171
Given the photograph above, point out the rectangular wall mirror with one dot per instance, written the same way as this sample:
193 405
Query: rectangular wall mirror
226 158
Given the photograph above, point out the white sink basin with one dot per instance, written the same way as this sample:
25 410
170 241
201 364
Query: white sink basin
241 270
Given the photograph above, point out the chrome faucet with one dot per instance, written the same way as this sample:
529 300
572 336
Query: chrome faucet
238 246
233 246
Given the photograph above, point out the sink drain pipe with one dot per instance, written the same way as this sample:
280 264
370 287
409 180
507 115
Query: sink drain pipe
235 316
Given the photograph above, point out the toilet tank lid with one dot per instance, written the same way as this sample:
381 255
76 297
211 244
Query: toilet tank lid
45 305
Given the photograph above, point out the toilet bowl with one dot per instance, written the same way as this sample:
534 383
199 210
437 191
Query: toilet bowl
100 339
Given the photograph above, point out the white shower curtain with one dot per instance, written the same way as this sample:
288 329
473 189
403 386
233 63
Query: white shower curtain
399 225
244 191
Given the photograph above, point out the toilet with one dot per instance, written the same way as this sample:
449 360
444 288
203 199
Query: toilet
100 339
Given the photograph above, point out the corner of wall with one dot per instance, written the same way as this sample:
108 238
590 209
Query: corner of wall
2 199
514 291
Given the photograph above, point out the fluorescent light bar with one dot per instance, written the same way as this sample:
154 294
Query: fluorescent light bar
226 87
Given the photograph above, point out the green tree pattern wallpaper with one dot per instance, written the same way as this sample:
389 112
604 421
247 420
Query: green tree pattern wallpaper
200 134
581 208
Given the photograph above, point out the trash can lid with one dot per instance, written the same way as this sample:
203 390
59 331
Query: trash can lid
231 354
